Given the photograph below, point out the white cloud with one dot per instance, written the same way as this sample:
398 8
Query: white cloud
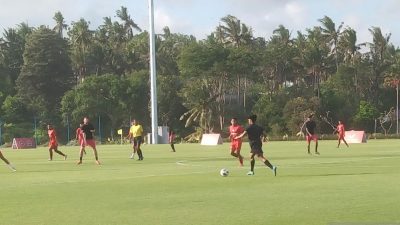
295 12
41 12
356 23
163 20
293 8
200 17
352 20
389 9
264 16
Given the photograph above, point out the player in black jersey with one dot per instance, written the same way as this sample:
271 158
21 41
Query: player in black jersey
255 134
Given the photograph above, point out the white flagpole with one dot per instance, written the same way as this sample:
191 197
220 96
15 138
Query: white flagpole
153 81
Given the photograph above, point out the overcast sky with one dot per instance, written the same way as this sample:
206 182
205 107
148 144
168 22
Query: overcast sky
200 17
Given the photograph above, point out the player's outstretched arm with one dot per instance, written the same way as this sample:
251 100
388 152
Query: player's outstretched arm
308 133
264 137
241 135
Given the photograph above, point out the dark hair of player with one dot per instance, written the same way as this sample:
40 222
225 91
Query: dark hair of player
253 118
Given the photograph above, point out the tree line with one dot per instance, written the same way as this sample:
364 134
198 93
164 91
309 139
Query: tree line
58 74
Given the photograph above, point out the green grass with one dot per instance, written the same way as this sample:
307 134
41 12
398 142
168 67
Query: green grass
357 185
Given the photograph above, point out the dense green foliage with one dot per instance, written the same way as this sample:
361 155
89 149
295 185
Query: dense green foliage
58 77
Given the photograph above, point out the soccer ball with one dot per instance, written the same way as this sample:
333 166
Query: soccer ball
224 172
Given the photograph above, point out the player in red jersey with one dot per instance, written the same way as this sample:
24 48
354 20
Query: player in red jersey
53 145
79 138
340 130
236 144
7 162
171 139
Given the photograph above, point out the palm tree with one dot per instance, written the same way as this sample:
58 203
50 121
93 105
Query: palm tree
219 35
12 47
351 51
282 34
129 24
23 29
381 56
234 32
300 46
107 24
202 106
392 79
281 52
60 23
316 56
379 43
81 37
332 35
349 47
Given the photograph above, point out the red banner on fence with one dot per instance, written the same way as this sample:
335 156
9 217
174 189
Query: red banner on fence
21 143
354 136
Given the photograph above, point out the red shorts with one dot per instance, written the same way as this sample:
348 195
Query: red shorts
341 136
91 143
313 137
53 145
81 143
236 145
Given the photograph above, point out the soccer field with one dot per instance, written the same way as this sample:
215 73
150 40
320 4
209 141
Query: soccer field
356 185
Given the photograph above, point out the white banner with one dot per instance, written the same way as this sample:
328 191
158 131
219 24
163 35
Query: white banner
211 139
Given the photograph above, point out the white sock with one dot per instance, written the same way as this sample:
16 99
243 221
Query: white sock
11 167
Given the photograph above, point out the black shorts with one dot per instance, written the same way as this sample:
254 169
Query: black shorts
256 148
137 141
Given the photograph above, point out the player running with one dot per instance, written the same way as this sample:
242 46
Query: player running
7 162
310 133
53 144
341 132
88 139
171 139
79 138
236 144
255 134
136 133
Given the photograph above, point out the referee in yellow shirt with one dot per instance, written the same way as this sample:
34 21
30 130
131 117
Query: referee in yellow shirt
136 133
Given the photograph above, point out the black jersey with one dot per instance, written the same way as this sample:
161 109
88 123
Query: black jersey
87 129
254 133
311 125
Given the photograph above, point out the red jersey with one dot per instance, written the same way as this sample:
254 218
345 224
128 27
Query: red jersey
52 137
171 137
79 134
340 129
235 131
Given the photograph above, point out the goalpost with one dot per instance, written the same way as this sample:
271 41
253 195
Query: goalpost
153 80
